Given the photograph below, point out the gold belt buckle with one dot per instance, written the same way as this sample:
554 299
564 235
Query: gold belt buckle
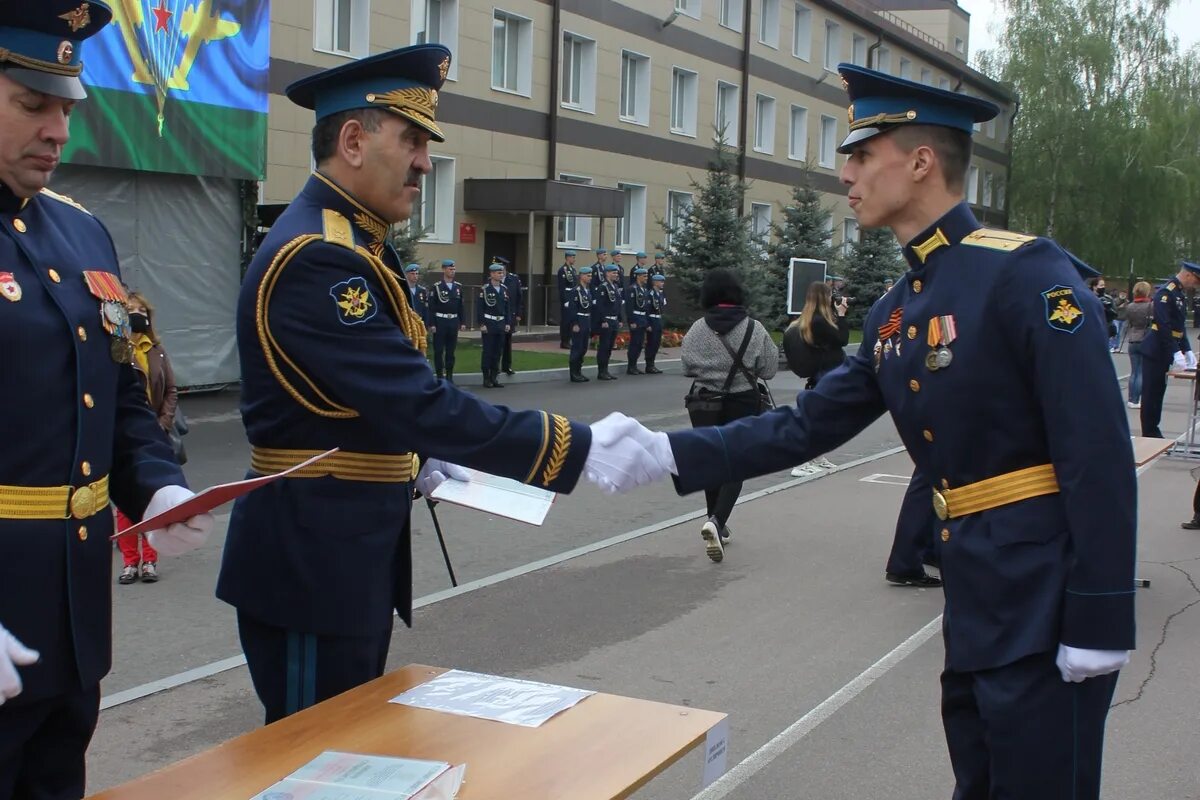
940 506
83 502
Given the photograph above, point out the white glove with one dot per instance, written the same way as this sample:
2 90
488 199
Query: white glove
13 654
435 472
619 461
179 538
1078 665
1191 359
1179 362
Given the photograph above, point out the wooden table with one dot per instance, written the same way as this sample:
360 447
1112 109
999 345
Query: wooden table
605 747
1146 449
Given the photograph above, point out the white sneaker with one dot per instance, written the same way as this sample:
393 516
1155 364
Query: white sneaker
824 463
1134 405
805 469
712 540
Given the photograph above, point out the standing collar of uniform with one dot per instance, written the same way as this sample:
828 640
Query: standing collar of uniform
9 202
330 195
950 229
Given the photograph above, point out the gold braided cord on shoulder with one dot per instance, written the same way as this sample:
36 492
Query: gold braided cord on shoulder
72 70
410 321
558 456
62 198
271 347
537 462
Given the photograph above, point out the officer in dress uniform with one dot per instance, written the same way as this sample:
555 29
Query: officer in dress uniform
567 278
448 318
1038 576
654 321
579 311
606 320
1166 344
637 305
95 438
516 302
493 316
332 355
418 295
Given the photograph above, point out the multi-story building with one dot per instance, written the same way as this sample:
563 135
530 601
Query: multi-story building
582 123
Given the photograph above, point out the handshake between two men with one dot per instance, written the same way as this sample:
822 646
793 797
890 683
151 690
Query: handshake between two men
626 454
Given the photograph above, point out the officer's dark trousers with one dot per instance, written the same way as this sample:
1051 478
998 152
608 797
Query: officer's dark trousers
42 744
579 345
912 546
1020 732
506 355
605 345
1154 387
564 324
292 671
637 337
720 501
445 341
653 339
490 360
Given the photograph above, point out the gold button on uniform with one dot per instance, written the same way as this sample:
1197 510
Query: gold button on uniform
53 273
86 468
917 286
945 534
928 434
912 331
19 225
81 333
83 533
87 400
916 387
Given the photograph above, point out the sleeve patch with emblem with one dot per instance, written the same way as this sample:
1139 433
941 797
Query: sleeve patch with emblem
1062 309
353 301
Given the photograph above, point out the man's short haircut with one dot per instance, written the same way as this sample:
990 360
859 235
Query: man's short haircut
325 133
952 146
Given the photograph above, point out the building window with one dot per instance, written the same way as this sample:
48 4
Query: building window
905 68
1000 195
944 83
828 141
833 45
684 84
764 124
729 13
760 225
437 21
768 23
635 88
960 46
883 60
631 226
575 231
829 228
849 234
689 7
1000 127
727 113
926 76
578 73
512 53
798 134
858 50
340 27
973 184
989 128
678 204
986 200
802 33
434 214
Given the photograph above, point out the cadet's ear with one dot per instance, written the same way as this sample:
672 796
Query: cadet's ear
350 142
923 159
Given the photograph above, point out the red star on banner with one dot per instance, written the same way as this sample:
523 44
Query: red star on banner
162 15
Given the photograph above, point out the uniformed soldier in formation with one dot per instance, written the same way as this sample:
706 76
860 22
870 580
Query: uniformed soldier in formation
637 306
639 262
579 311
568 276
1166 344
418 295
660 263
516 302
448 316
990 355
654 321
606 320
332 355
493 317
615 256
81 433
601 263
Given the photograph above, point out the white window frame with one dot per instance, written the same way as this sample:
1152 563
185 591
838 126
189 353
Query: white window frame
442 230
850 234
858 49
973 185
944 84
631 226
675 208
802 19
524 55
768 23
828 132
585 71
447 28
731 132
326 29
833 45
800 154
988 185
689 7
760 212
730 13
905 70
641 82
764 124
989 128
689 102
1000 195
883 59
960 46
582 226
927 76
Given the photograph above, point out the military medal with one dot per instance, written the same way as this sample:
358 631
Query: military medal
931 361
114 316
886 332
878 354
942 332
9 287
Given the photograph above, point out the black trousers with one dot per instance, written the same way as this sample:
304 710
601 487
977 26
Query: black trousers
292 671
489 360
912 546
42 745
721 500
565 323
604 345
506 354
653 338
1154 387
579 344
1020 732
445 342
637 336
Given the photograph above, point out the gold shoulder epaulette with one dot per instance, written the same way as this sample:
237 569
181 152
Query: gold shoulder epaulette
994 239
62 198
337 228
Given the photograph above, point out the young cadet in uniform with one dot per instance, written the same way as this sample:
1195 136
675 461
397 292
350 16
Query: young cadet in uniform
516 303
654 323
606 319
567 278
333 356
660 264
418 296
1038 576
601 263
94 438
1166 344
637 302
615 255
579 311
493 317
448 318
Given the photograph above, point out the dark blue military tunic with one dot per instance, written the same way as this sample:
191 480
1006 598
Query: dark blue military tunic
447 316
1166 336
606 320
579 314
418 297
637 302
568 278
654 322
493 313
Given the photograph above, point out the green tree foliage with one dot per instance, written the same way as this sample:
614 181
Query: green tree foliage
407 239
1106 147
803 232
872 259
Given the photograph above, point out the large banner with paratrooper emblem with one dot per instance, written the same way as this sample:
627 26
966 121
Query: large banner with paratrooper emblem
177 86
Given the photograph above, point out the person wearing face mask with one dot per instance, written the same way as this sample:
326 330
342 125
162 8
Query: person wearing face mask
1096 284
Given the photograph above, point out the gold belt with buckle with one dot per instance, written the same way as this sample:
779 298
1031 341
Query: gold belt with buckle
344 465
54 502
994 492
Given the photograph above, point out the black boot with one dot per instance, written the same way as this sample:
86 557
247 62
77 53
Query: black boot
632 370
1192 524
495 383
439 375
450 376
605 375
577 375
653 370
487 379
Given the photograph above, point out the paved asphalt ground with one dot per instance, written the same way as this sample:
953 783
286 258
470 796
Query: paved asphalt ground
779 635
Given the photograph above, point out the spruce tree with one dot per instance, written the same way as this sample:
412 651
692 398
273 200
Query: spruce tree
873 258
406 239
802 233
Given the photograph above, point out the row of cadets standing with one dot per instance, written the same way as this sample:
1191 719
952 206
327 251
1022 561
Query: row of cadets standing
446 318
493 315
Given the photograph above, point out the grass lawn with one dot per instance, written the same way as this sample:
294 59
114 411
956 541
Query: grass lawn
467 355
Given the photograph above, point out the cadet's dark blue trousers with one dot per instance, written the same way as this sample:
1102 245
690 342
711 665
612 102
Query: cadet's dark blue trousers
605 344
1154 387
579 343
565 322
42 745
912 546
292 670
653 339
445 340
1020 732
637 337
490 359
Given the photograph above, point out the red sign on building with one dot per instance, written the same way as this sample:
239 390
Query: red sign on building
466 232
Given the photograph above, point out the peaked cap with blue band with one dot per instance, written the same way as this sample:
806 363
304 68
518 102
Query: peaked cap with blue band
1190 267
880 102
40 43
404 81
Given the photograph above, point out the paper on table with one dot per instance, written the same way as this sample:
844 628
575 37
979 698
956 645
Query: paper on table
716 751
212 497
502 496
348 776
511 700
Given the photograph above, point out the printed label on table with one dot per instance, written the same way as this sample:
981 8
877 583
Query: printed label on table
716 748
